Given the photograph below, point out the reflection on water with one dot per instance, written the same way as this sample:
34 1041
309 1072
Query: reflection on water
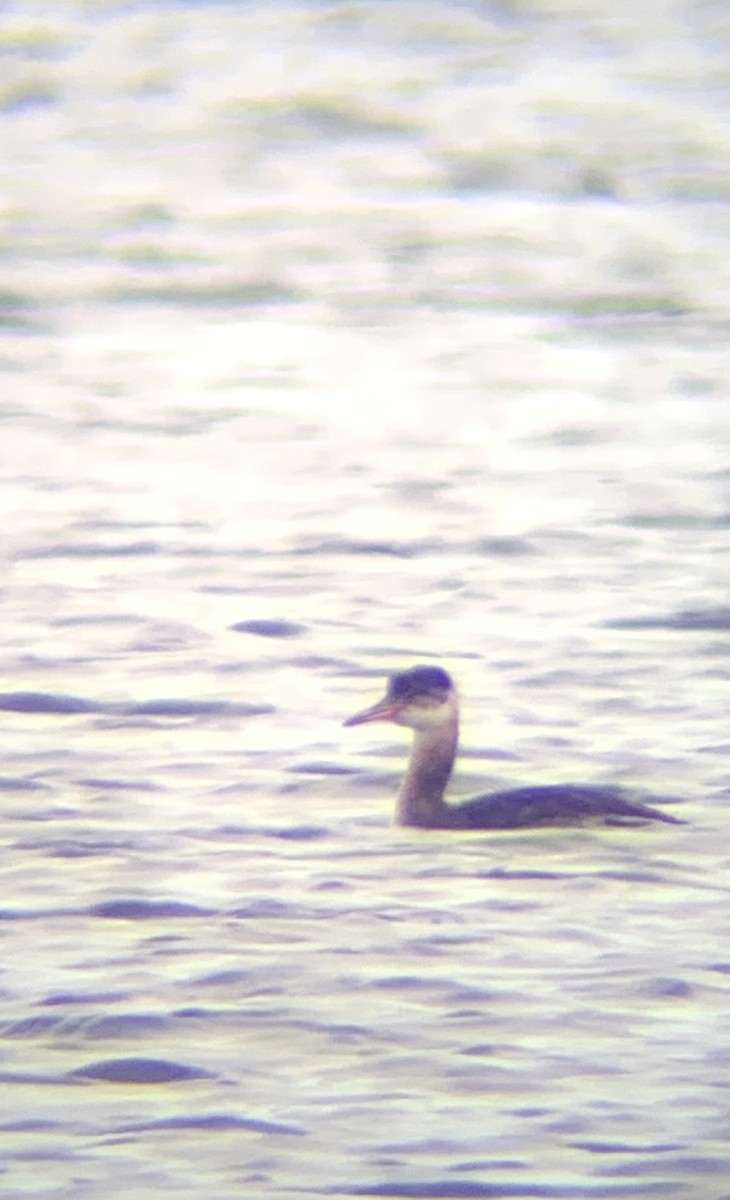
314 372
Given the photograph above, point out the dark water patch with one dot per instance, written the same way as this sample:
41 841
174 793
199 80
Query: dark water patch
666 989
344 1033
92 550
697 1166
98 523
425 1145
544 679
719 649
526 873
31 1125
436 945
161 641
314 662
217 1122
73 998
403 914
491 753
83 845
15 314
495 547
321 768
301 786
501 547
121 1025
633 876
573 435
721 749
675 520
194 294
385 548
35 1079
287 833
406 983
625 1148
230 833
268 908
30 1027
465 994
140 1070
56 813
450 1189
228 589
270 629
688 619
76 848
24 784
147 910
46 702
490 1164
369 779
223 979
333 121
95 619
119 785
194 708
299 833
39 1154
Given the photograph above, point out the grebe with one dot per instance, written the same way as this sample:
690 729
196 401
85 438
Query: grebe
424 698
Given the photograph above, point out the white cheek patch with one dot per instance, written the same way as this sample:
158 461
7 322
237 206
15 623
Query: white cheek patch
431 716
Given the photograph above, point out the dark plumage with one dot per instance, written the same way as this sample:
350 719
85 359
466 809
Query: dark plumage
424 699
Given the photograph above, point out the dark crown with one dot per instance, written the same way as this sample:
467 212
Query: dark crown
406 685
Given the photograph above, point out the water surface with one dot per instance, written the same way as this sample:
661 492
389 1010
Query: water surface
335 339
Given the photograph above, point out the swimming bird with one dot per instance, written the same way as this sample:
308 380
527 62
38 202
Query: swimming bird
425 700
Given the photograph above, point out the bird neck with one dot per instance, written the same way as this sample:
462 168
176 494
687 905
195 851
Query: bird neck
421 796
